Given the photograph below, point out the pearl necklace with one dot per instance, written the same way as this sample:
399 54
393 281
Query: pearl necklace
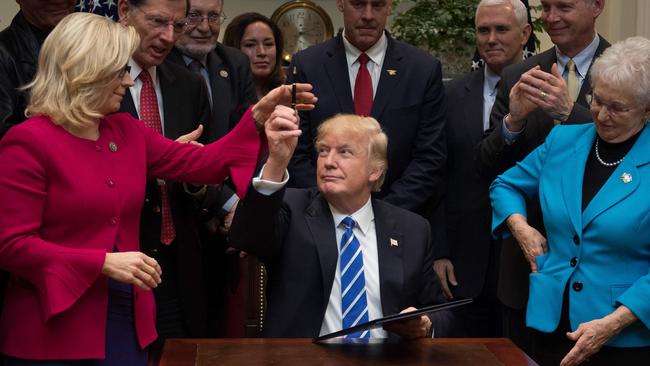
600 160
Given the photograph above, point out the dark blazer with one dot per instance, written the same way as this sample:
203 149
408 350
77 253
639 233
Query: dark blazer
233 90
185 105
467 201
292 232
408 104
19 50
495 157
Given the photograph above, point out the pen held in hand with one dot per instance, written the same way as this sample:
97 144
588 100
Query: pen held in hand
293 89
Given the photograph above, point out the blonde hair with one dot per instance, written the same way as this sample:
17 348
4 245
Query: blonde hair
78 60
366 127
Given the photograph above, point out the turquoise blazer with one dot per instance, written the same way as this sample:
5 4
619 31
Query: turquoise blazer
603 252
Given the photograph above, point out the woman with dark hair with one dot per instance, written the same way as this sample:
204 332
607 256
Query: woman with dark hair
261 40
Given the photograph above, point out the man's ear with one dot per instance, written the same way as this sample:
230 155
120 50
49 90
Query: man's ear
123 10
339 5
375 174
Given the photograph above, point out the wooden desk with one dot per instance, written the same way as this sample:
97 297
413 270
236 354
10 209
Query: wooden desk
259 351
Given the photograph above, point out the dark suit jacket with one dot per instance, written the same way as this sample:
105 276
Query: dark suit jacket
19 50
185 105
408 104
292 232
467 201
496 157
231 82
233 91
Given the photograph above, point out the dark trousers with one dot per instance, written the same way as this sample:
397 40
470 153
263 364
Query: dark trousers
481 318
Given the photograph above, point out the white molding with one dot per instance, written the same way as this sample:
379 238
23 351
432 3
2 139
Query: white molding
642 16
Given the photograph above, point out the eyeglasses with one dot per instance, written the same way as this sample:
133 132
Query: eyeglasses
614 109
196 18
125 70
160 22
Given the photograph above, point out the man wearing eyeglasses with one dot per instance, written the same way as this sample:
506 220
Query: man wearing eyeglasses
173 100
227 75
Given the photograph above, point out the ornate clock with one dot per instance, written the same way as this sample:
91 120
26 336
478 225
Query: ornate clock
303 24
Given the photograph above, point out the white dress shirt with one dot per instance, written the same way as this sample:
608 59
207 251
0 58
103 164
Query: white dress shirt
490 81
582 61
137 87
376 53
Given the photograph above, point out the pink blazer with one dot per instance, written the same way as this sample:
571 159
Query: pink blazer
67 201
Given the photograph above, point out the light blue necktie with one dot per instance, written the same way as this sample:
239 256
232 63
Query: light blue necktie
354 304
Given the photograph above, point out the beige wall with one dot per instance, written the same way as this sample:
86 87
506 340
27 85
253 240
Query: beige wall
621 18
8 8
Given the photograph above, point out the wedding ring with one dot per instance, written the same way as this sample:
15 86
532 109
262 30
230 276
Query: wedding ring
542 95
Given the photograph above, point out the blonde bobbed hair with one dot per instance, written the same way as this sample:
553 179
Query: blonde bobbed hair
364 127
79 58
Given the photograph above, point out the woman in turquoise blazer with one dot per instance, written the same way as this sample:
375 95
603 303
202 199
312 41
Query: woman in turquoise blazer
590 281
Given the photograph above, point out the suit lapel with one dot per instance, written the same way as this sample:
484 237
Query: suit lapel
572 177
321 225
336 68
586 85
171 94
615 189
221 94
389 253
388 79
474 106
128 106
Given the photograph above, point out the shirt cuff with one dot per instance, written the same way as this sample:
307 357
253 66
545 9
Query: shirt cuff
267 187
230 203
509 136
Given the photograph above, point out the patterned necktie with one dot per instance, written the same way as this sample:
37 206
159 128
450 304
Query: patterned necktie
150 115
354 304
363 88
572 80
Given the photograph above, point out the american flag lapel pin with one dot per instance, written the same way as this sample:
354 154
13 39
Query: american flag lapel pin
393 242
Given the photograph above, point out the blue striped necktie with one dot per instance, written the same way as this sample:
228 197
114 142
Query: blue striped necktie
354 304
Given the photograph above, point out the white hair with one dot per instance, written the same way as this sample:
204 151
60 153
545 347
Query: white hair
625 65
519 8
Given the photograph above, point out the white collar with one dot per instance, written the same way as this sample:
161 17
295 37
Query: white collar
582 60
136 70
363 216
376 53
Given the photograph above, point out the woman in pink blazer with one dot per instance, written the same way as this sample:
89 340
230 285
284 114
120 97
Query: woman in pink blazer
71 191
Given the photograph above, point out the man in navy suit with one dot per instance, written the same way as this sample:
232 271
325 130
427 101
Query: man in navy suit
334 251
466 262
406 99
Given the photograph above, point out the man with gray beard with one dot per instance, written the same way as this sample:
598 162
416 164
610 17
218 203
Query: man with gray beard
227 75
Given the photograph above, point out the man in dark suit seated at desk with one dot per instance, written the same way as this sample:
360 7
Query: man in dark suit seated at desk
335 256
